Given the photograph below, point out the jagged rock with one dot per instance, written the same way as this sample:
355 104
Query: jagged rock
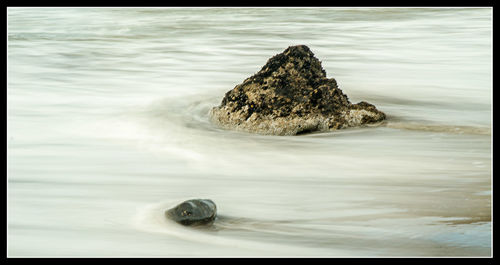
291 95
193 212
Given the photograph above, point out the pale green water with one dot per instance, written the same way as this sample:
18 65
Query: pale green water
108 127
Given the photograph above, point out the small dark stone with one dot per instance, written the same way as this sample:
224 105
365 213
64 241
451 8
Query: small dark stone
193 212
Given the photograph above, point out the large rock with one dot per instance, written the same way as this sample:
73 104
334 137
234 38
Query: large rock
291 95
193 212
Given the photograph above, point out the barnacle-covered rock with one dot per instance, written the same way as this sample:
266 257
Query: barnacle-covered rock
291 95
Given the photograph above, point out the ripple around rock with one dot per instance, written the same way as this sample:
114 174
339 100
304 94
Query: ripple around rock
291 95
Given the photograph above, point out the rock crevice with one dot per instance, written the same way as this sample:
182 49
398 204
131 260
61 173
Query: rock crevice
291 95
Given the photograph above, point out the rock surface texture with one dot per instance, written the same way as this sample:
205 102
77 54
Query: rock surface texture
291 95
193 212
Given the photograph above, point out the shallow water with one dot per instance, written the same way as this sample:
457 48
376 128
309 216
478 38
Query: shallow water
108 127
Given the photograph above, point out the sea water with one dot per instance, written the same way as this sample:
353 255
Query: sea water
107 127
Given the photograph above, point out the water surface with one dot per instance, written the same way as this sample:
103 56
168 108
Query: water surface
108 127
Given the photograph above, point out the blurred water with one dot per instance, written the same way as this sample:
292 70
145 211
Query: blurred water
108 127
